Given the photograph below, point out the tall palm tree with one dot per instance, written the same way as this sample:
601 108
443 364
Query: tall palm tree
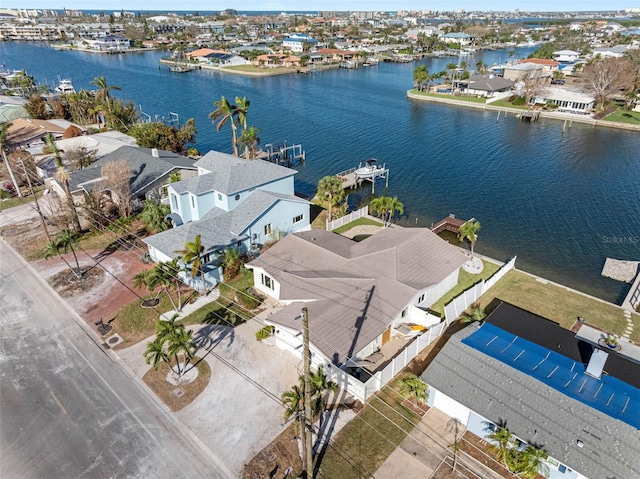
249 139
531 463
320 384
394 206
155 353
226 112
420 77
469 231
330 188
62 244
242 108
502 438
148 279
480 66
63 177
180 343
102 95
380 206
192 254
168 274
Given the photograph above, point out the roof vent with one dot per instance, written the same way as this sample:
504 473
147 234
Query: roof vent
579 443
154 153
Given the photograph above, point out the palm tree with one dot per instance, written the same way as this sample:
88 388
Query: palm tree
148 279
62 244
475 314
180 343
226 112
63 177
502 439
531 463
394 205
154 216
414 386
293 401
480 66
469 231
380 206
242 108
192 254
319 385
155 353
102 95
249 139
420 77
168 275
330 188
4 146
172 341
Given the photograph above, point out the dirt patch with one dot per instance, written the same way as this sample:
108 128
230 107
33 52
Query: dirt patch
26 237
67 284
445 470
277 457
480 450
177 397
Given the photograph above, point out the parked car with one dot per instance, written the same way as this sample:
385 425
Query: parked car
557 82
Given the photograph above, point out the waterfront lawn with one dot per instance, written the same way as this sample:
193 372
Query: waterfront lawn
555 302
257 70
368 440
471 99
465 281
508 104
358 222
624 116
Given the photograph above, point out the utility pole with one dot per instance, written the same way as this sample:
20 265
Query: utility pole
13 178
308 437
35 197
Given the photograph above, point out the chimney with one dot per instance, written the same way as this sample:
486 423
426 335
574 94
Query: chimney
154 153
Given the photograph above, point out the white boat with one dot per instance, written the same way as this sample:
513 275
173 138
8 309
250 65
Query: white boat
369 169
65 87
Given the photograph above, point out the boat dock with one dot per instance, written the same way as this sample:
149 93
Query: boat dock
450 223
354 177
284 155
529 115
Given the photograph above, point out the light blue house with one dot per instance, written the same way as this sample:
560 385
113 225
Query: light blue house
232 203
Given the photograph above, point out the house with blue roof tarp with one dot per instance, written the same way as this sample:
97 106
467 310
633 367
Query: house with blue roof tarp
546 385
231 203
297 41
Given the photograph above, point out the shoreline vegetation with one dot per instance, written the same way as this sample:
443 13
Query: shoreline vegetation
499 106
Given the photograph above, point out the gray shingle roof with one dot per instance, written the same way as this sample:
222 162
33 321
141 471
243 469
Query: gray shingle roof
230 174
535 412
488 82
145 167
358 288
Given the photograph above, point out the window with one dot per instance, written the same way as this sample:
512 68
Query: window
174 203
193 201
206 258
219 197
267 281
298 219
404 313
421 298
267 229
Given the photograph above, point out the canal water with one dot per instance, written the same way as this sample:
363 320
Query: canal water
562 201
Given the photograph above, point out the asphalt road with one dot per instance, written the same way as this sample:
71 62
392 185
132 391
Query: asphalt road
68 408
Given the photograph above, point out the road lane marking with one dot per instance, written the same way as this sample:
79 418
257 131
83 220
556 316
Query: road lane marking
57 401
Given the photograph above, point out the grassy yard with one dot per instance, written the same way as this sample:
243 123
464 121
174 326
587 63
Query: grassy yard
17 201
471 99
623 116
557 303
365 442
358 222
258 70
465 281
508 104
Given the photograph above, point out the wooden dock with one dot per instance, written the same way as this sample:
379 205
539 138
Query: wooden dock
450 223
529 115
285 155
351 179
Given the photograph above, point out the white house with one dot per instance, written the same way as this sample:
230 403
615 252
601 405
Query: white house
364 299
566 56
568 101
231 203
297 41
458 37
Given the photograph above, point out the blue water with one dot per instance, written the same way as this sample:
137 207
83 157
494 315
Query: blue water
562 201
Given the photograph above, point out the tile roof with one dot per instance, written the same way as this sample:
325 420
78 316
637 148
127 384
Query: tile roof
355 290
230 174
534 411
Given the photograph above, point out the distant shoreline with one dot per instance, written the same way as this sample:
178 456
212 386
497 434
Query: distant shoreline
543 114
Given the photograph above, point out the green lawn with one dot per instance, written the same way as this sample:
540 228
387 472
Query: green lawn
557 303
16 200
471 99
508 104
465 281
262 71
623 116
366 441
358 222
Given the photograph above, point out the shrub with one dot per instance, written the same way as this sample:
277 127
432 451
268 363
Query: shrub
265 333
248 300
517 100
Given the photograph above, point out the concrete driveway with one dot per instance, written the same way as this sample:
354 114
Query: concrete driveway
239 412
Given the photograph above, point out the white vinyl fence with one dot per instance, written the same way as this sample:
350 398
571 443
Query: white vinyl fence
456 307
348 218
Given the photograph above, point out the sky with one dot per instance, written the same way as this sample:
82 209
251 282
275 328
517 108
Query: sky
341 5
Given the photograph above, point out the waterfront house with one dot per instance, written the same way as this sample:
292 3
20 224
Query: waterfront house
517 71
547 65
567 101
26 133
616 51
461 38
566 56
545 385
367 301
297 41
150 169
231 203
11 107
219 58
483 85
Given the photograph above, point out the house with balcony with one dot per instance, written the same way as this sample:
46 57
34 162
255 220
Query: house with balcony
561 390
231 203
566 56
296 42
367 301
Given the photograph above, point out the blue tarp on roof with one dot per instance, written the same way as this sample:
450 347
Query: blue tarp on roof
609 395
